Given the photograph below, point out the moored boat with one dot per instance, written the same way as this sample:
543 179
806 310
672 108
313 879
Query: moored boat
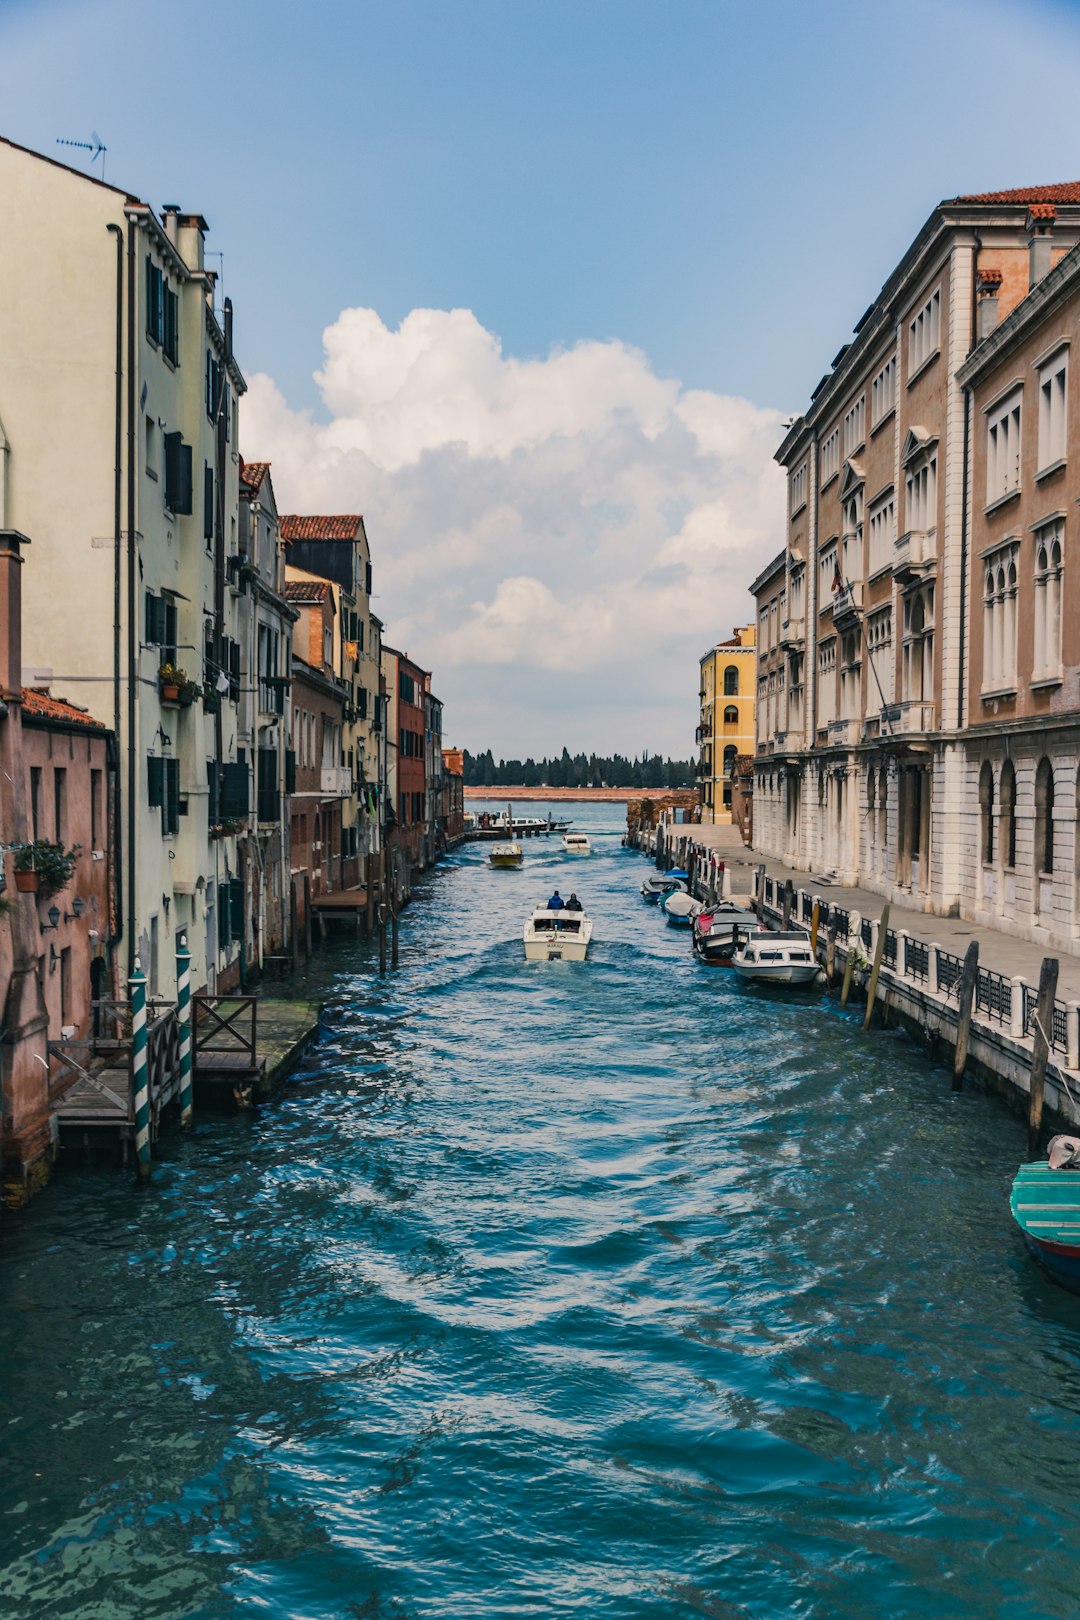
680 909
783 957
1045 1204
661 884
719 931
507 854
557 936
576 844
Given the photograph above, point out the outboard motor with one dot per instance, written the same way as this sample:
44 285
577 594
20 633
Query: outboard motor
1063 1152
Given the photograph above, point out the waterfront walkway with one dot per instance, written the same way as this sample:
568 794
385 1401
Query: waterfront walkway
999 952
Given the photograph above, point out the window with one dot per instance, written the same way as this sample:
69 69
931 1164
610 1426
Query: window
921 492
883 392
855 426
65 985
850 676
214 379
406 688
1053 385
828 574
798 489
1003 449
919 646
163 790
999 619
879 649
827 681
830 457
986 812
1048 593
35 802
731 715
1044 818
208 502
1008 813
160 630
60 805
852 562
795 604
170 329
882 532
731 681
924 333
155 301
177 474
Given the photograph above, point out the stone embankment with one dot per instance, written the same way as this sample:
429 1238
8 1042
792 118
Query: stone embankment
919 984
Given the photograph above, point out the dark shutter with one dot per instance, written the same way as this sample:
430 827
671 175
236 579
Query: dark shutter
361 702
234 671
155 781
154 619
170 332
236 907
170 810
208 502
212 782
234 792
224 915
367 578
269 797
168 630
290 770
183 502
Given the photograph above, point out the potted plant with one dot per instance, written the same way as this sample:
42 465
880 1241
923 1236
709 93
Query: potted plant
170 680
211 698
50 866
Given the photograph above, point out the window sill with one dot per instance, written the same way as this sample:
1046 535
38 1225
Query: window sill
1044 680
883 422
830 480
924 365
1001 501
990 693
800 508
879 573
150 473
1049 471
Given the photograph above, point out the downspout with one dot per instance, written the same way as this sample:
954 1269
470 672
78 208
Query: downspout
132 603
116 853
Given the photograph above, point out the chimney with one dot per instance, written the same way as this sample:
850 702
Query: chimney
988 283
169 213
191 240
11 613
1040 229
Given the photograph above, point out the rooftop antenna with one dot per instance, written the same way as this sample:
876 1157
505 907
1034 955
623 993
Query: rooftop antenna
95 146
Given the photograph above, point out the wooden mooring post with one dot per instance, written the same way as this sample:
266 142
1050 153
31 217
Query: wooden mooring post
815 919
830 953
789 896
969 978
382 911
1044 1016
849 973
394 914
761 892
875 971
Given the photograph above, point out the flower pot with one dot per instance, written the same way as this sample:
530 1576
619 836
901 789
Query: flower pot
169 692
26 882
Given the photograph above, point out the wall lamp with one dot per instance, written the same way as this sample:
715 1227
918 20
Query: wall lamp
54 919
78 906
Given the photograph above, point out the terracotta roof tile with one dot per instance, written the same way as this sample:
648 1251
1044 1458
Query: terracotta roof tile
306 590
252 474
1067 192
43 707
342 527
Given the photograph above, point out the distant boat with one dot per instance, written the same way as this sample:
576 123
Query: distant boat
1045 1204
506 855
719 931
557 936
576 844
680 909
777 958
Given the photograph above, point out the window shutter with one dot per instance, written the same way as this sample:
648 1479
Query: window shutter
151 619
234 791
167 638
155 781
170 810
234 671
224 915
208 502
149 295
269 797
183 503
173 442
212 782
236 906
367 578
290 770
361 697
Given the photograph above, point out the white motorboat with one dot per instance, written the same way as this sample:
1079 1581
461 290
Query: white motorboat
719 931
506 854
681 908
777 958
661 884
576 844
557 936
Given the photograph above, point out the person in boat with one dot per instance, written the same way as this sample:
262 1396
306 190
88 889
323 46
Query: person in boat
556 902
573 904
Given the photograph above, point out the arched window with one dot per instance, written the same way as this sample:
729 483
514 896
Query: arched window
731 681
1008 813
1044 817
731 715
730 755
986 812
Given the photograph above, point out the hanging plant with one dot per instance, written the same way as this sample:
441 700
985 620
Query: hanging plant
51 864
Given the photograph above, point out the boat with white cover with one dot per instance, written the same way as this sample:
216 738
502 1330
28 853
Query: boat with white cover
661 884
506 854
576 844
719 931
783 957
557 936
680 909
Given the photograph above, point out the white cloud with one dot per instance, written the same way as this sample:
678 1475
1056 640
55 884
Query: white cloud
558 539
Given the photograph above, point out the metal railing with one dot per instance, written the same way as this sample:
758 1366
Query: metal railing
993 996
1058 1033
918 959
949 969
889 953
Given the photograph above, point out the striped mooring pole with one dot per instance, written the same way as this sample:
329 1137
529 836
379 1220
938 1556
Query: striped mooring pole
139 1073
183 1016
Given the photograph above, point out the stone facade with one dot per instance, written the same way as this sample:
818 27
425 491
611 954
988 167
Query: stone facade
725 730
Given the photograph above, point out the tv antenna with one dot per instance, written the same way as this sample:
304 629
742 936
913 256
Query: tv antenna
95 146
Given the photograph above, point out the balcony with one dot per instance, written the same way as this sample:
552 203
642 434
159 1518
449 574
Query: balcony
792 632
847 605
912 716
335 781
914 555
842 731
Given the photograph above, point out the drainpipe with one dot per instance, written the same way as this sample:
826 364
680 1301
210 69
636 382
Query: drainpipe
132 605
963 561
116 853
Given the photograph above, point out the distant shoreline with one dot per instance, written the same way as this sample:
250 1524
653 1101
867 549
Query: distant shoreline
521 795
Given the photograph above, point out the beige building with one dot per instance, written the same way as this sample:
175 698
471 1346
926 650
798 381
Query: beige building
725 730
862 765
118 403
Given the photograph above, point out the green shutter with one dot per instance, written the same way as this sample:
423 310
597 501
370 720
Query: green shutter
224 915
236 907
155 781
170 809
212 782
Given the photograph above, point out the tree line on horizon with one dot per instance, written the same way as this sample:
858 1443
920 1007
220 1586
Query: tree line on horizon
578 771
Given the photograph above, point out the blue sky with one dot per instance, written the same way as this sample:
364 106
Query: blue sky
720 187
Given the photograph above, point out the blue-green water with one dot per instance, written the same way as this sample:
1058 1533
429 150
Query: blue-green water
602 1290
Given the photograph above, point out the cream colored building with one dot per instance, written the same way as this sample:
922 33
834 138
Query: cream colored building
726 688
119 398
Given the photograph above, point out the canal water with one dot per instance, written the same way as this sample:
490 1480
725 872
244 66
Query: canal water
605 1290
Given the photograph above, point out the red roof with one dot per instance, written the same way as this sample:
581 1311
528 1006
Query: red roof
306 590
344 527
1067 192
43 707
252 474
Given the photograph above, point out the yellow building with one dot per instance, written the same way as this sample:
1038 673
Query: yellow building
726 724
